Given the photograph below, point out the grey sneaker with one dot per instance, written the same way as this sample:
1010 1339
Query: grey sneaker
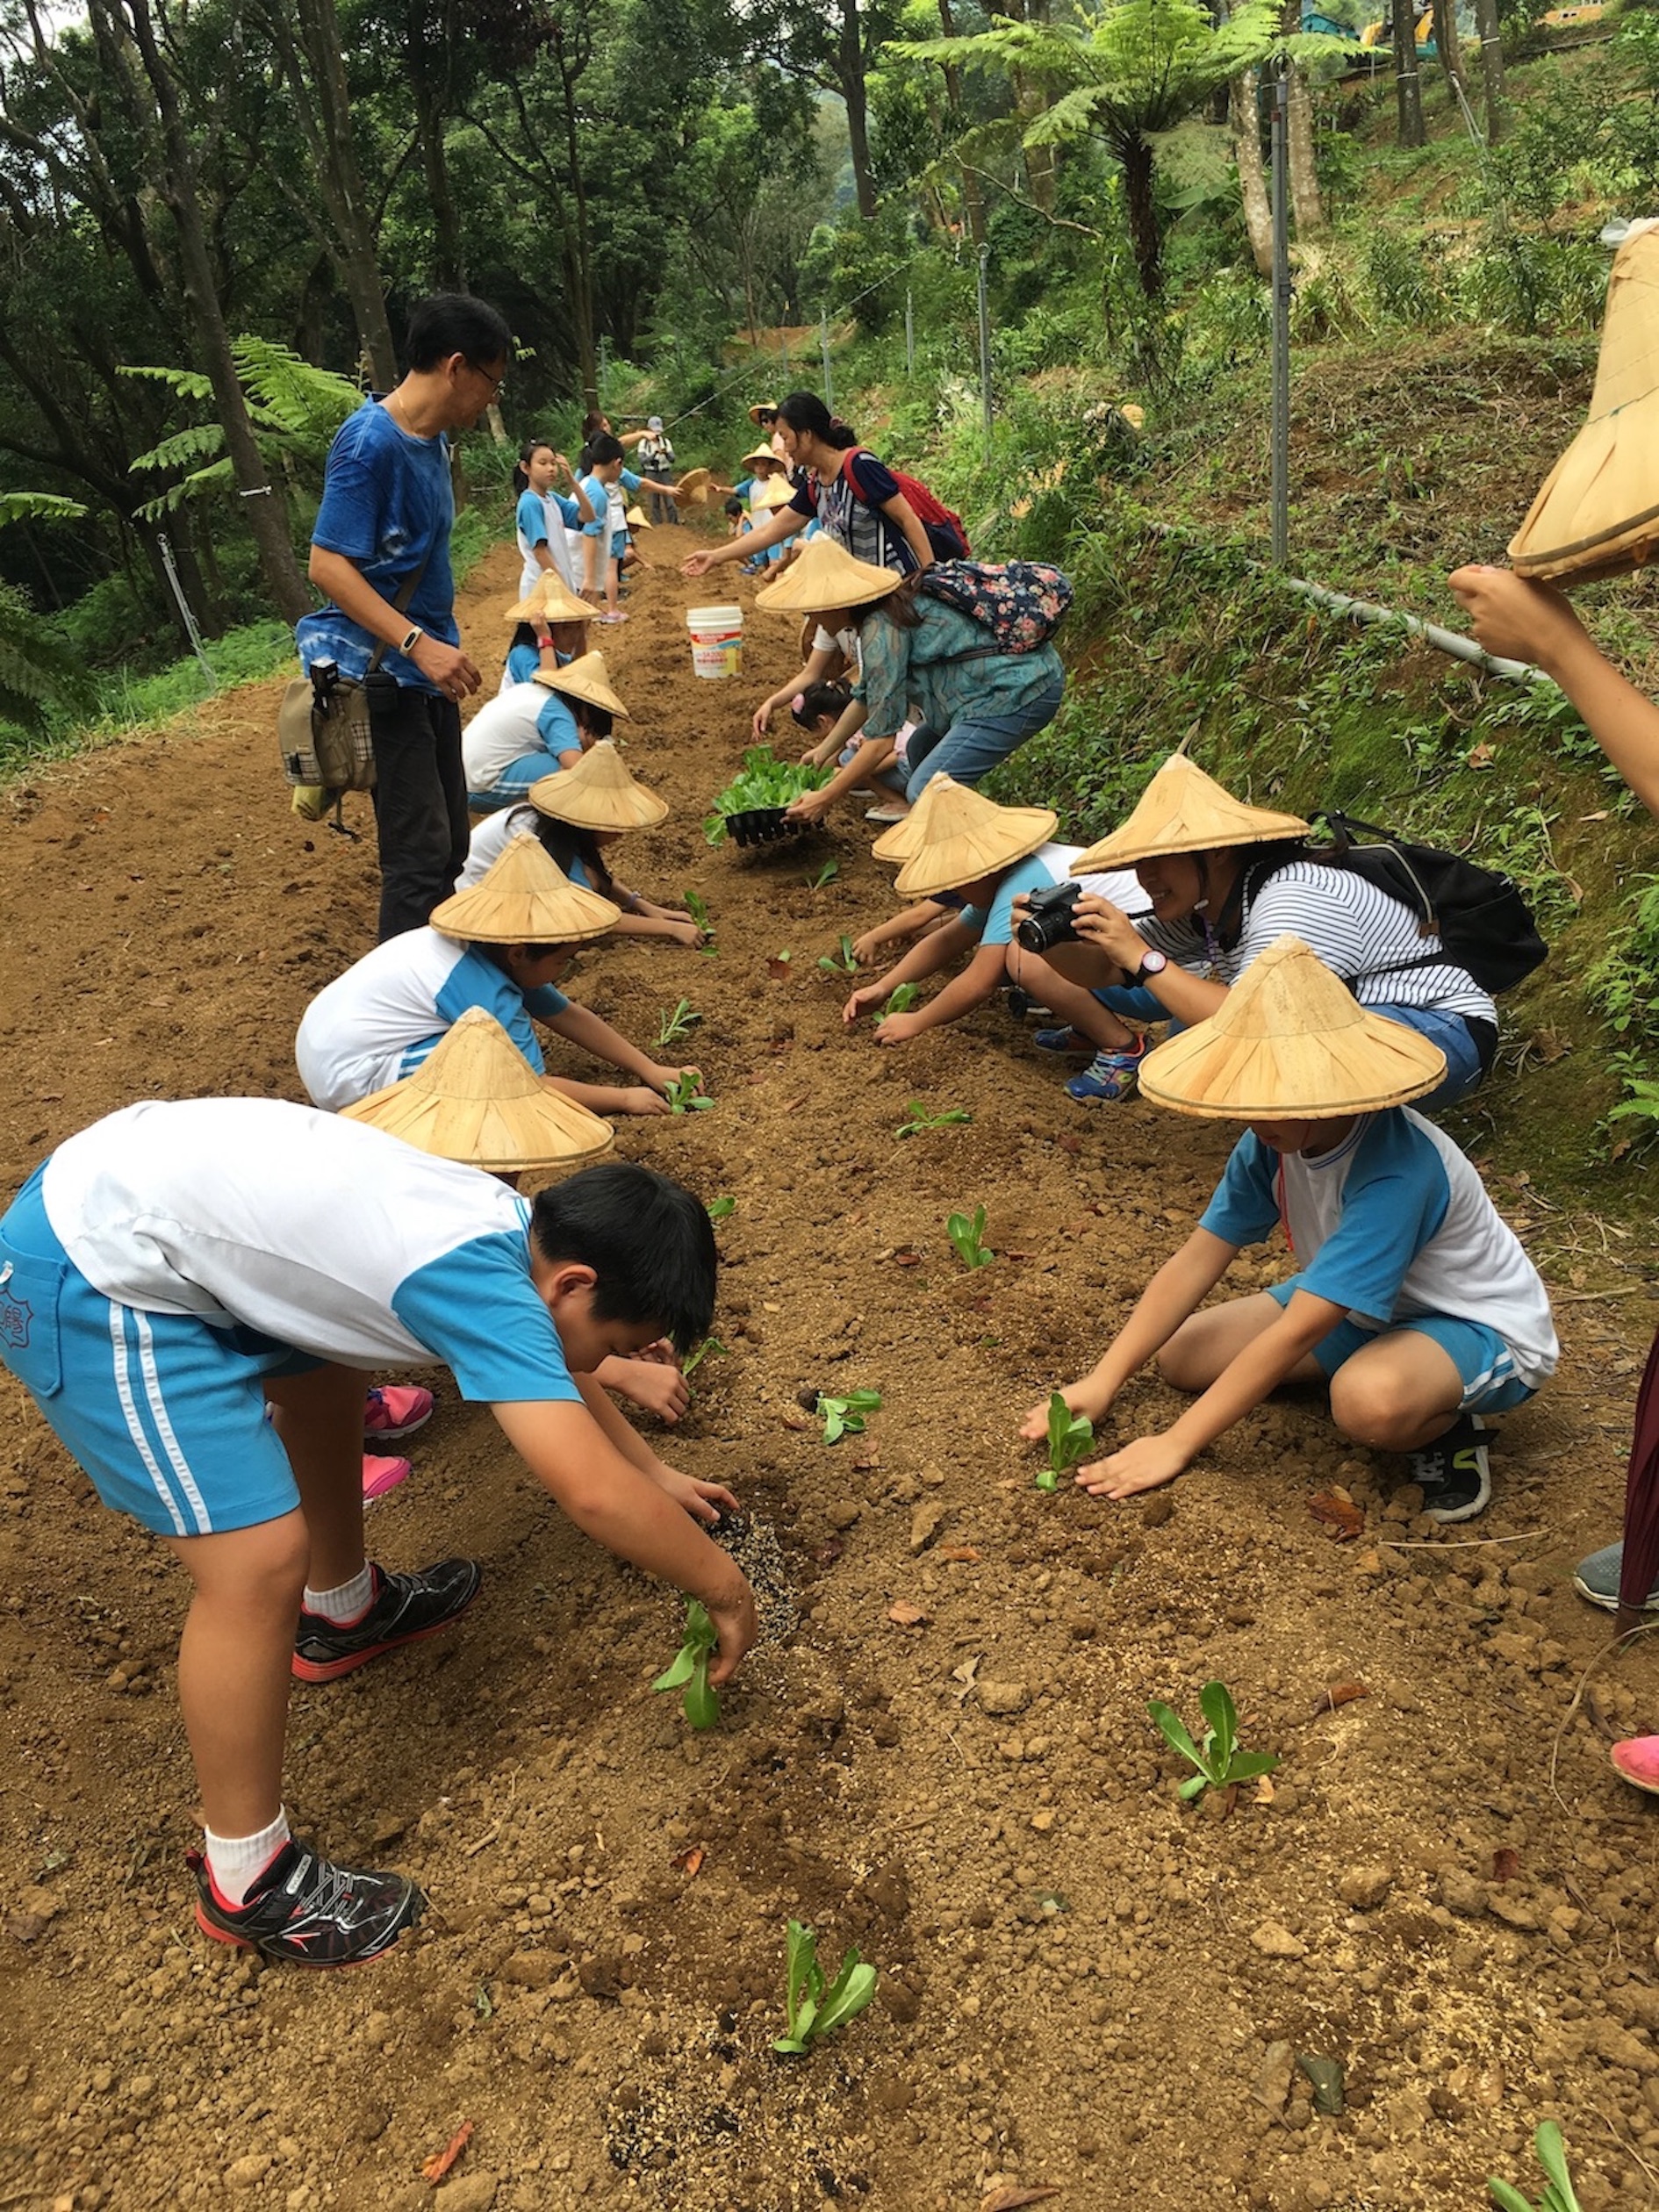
1596 1579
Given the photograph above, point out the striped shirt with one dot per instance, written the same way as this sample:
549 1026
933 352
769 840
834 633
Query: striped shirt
1361 933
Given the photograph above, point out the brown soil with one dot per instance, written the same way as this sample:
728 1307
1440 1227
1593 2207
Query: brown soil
1080 1977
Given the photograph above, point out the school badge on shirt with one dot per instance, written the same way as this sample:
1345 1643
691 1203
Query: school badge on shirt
16 1314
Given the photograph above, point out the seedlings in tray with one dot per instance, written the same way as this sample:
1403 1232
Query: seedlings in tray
676 1021
690 1670
685 1095
901 999
1559 2193
841 963
813 2010
918 1120
828 873
968 1237
845 1416
765 781
711 1347
722 1209
1217 1761
1071 1438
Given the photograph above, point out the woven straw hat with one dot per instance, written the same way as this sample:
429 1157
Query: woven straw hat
525 898
598 794
549 599
477 1098
907 837
776 492
585 678
1183 810
1598 513
1291 1043
762 408
638 520
827 576
965 836
763 453
692 488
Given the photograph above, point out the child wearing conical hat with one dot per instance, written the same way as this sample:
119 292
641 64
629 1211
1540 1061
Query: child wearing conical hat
533 729
1225 880
1412 1299
578 815
549 624
962 851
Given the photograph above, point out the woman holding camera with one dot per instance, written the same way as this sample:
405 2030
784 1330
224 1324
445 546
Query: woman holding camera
961 851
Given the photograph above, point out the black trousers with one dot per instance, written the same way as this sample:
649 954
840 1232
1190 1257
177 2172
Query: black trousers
421 801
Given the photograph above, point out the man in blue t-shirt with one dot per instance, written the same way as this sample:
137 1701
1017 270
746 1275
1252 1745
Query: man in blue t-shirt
382 537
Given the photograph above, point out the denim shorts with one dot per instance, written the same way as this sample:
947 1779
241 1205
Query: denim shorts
165 1413
1481 1358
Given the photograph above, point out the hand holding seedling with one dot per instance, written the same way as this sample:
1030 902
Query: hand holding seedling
1077 1397
1217 1760
811 2009
867 994
902 997
899 1029
1148 1463
683 1092
689 1669
698 913
1069 1437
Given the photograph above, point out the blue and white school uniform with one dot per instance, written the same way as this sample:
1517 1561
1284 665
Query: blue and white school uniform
163 1262
1396 1226
609 503
496 832
1049 863
514 740
546 518
377 1022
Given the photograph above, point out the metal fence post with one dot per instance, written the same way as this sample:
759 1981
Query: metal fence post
823 343
984 338
191 629
909 335
1280 431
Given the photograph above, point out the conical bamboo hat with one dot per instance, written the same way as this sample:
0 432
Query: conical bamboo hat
638 520
1290 1043
598 794
692 488
525 898
762 408
477 1098
585 678
827 576
549 599
907 837
1598 513
775 491
762 453
966 836
1183 810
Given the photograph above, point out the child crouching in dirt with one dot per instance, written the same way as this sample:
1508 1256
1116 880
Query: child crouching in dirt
242 1253
1413 1299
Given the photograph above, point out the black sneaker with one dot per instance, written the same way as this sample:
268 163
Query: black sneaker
308 1911
1452 1473
403 1609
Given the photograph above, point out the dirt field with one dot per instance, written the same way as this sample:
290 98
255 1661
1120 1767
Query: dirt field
1083 1983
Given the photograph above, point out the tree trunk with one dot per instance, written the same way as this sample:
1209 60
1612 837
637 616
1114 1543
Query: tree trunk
340 183
1245 118
849 75
1306 207
1146 242
1408 85
973 198
1446 42
448 248
175 181
577 258
1491 67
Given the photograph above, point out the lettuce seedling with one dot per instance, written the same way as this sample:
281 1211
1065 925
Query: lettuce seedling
811 2009
689 1671
676 1021
845 1416
685 1095
709 1348
968 1237
1071 1438
1219 1761
698 911
919 1120
1559 2193
841 963
722 1209
901 999
828 873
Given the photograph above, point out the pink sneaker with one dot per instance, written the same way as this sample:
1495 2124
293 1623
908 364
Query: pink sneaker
1637 1759
393 1410
382 1475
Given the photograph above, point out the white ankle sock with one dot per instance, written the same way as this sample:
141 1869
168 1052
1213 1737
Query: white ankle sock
236 1862
347 1604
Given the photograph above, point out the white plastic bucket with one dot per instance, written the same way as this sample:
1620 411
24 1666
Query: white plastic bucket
716 641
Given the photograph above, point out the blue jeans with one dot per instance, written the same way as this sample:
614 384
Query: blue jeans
970 748
1464 1066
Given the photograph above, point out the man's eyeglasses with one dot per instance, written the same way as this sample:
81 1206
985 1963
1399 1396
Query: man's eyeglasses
494 382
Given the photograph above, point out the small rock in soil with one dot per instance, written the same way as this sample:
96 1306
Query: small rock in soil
1462 1894
1274 1940
925 1523
1274 2078
248 2172
1157 1510
1003 1696
1364 1887
467 2193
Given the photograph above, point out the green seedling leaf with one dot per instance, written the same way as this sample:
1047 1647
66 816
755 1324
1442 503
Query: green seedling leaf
713 831
676 1021
917 1119
810 2010
967 1236
722 1209
690 899
711 1347
1175 1729
842 963
1071 1438
901 999
685 1095
1215 1702
846 1996
1559 2195
828 873
1217 1761
688 1670
845 1416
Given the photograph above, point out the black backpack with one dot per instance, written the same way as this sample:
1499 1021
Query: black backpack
1480 917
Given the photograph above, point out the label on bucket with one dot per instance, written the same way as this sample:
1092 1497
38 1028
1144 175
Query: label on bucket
716 641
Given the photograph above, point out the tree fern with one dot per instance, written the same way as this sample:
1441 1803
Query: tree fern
38 669
38 507
294 410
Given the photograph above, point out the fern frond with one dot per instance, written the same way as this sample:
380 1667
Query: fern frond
189 383
38 507
184 448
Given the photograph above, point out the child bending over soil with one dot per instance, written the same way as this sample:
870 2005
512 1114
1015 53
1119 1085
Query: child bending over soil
240 1253
533 729
1413 1299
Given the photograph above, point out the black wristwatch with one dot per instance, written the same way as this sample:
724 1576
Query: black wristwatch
1152 963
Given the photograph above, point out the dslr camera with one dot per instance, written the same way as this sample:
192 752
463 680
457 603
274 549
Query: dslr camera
1049 923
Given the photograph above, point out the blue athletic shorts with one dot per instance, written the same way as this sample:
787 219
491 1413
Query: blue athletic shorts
165 1413
1485 1362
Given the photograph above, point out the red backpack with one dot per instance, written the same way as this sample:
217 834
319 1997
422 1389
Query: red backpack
946 530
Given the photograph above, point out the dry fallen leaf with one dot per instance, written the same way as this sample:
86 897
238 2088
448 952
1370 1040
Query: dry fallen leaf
1341 1516
1264 1790
794 1420
778 970
689 1861
1505 1864
870 1460
1009 2199
906 1259
1068 1143
434 2168
903 1614
960 1553
1339 1693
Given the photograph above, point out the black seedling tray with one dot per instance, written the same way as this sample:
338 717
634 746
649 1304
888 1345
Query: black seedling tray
763 825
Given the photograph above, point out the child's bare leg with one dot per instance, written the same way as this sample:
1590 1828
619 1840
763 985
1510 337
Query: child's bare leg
235 1660
1398 1393
318 1416
1208 1344
1065 980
